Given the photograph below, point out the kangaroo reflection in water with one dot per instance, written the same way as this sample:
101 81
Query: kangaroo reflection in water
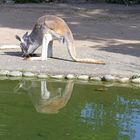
48 97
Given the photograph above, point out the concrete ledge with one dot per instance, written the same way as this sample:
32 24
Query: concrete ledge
3 47
134 79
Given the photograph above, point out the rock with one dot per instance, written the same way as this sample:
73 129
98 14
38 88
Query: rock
44 76
136 80
15 74
123 80
109 78
135 76
4 72
83 77
57 76
29 74
70 76
95 78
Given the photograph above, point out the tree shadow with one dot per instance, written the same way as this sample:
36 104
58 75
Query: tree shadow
125 49
24 17
86 23
115 45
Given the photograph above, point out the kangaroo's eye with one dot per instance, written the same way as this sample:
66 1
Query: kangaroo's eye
21 45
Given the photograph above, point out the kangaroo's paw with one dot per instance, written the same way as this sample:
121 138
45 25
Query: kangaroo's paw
100 62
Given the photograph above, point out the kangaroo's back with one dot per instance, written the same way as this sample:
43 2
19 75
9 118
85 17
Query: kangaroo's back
54 23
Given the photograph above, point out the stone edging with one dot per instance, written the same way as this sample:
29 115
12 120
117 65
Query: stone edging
110 78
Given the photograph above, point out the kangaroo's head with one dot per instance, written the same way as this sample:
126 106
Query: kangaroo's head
25 42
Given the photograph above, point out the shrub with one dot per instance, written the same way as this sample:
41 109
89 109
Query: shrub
37 1
127 2
27 1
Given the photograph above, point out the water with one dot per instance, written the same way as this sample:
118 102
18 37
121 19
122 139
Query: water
68 110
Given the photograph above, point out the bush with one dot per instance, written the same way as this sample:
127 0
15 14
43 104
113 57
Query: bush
37 1
127 2
27 1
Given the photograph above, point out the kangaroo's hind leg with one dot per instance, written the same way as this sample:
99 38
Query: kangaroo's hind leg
47 50
47 47
50 49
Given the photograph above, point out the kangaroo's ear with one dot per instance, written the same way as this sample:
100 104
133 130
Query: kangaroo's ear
18 38
25 35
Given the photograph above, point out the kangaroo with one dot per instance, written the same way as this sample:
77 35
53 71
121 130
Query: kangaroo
51 99
47 29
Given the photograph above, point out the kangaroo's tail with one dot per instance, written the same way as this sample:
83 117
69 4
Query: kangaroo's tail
89 61
71 49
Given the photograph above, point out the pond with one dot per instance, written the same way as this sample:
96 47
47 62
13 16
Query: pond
68 110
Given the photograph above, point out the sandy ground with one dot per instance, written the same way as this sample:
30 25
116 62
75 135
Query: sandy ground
102 31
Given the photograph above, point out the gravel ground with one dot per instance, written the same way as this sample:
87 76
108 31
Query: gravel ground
102 31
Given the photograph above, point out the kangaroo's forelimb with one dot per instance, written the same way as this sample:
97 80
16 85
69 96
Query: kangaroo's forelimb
46 48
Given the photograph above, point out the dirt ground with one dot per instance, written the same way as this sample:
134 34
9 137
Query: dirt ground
102 31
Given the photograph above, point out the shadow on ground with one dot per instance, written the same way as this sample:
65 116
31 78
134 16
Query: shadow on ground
103 27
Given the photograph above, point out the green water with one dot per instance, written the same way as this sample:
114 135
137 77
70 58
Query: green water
57 110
